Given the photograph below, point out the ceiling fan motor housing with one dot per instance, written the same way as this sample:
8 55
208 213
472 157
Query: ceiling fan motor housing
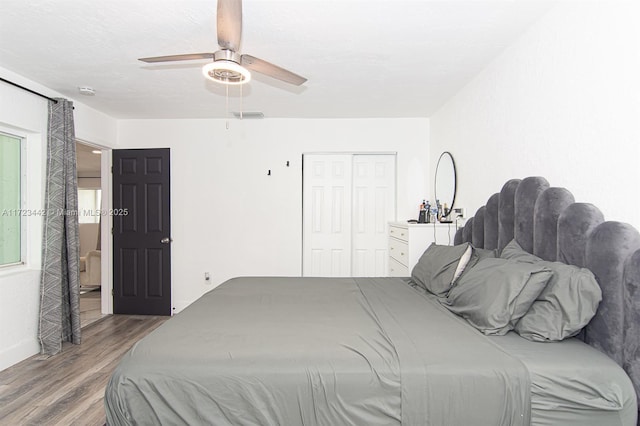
228 55
226 68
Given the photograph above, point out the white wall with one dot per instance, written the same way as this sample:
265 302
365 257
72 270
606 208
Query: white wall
229 218
562 102
26 114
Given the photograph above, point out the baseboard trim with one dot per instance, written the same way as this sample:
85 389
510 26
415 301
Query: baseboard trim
17 353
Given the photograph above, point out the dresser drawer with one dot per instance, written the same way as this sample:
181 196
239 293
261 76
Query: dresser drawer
397 269
399 233
408 241
399 250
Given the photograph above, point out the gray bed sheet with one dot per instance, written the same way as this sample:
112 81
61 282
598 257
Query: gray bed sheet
573 384
317 351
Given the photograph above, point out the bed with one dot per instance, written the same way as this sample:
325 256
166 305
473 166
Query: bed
387 351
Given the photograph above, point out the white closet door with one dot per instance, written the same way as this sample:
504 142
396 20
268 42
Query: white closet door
327 215
374 182
348 199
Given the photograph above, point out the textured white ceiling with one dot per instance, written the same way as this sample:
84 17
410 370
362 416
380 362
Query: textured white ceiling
378 58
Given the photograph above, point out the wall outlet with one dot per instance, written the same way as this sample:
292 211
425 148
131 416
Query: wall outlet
459 211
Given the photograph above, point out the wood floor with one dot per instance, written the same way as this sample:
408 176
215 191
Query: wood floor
67 389
90 309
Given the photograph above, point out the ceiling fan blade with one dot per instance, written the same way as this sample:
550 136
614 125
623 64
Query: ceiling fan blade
186 57
267 68
229 24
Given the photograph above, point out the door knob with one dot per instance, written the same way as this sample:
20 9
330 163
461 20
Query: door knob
166 240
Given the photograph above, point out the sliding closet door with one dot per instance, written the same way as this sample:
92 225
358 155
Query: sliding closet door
374 182
347 201
327 215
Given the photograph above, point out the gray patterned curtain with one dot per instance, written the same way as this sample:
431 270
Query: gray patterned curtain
60 280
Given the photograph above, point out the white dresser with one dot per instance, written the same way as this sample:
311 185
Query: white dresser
407 242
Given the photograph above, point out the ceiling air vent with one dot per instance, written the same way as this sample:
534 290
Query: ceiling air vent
248 115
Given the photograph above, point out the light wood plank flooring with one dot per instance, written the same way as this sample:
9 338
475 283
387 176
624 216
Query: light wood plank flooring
67 389
90 309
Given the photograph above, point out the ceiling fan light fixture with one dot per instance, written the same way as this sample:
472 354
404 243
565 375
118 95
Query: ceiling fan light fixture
226 72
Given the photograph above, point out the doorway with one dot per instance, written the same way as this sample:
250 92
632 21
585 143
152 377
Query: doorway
348 199
89 170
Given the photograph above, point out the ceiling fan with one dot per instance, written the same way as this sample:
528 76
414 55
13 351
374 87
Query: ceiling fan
229 66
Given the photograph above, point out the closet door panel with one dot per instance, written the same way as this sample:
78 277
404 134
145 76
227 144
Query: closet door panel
327 215
374 182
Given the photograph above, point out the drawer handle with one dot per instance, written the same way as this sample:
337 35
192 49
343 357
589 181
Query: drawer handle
402 234
391 248
401 254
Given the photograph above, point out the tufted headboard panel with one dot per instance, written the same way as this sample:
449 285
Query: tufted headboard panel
491 222
477 233
549 206
608 248
575 224
506 213
527 193
547 222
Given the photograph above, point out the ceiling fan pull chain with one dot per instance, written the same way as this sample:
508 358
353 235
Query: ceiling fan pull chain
227 107
241 108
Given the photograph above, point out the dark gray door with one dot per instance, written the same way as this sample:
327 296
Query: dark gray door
141 232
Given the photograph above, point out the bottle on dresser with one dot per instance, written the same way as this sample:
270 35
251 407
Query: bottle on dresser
422 215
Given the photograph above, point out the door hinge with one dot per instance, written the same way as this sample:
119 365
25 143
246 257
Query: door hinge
111 231
111 169
113 293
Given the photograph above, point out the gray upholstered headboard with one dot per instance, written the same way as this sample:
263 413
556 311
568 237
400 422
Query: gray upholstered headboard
548 223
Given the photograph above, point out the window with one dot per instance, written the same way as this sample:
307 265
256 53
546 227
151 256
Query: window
10 200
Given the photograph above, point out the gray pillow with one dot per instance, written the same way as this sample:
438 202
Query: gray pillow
479 254
513 251
564 307
495 293
436 268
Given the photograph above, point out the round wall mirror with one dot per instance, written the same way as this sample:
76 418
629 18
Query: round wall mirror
445 182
